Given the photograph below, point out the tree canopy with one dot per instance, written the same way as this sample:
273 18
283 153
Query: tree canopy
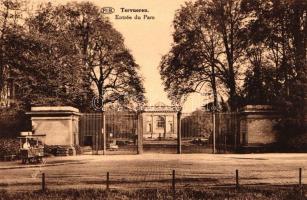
61 55
277 46
64 54
253 52
105 59
209 42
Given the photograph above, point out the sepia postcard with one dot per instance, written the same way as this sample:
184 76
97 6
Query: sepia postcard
153 99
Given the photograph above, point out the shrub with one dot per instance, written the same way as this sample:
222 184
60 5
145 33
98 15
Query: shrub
9 146
59 150
12 122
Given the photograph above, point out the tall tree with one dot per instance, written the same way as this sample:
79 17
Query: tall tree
279 29
38 69
107 61
209 42
190 65
11 18
47 71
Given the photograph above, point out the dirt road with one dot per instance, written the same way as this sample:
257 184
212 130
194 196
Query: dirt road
155 171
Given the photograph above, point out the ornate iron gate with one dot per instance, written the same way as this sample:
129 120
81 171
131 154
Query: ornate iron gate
197 132
120 130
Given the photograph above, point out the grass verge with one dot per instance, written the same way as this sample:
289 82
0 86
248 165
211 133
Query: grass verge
157 194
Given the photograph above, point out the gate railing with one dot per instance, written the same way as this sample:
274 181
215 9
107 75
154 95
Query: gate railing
120 130
197 129
123 130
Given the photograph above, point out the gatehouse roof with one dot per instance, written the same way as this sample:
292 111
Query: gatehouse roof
161 107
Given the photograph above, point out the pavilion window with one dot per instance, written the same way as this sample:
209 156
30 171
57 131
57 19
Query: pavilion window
160 122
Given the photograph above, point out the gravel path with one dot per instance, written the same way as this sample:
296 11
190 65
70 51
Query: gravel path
155 171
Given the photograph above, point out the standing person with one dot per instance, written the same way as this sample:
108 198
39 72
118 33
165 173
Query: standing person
26 145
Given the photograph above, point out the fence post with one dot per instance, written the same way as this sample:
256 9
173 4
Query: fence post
108 181
300 177
43 182
139 132
235 124
97 143
214 129
225 145
237 179
174 183
179 150
104 132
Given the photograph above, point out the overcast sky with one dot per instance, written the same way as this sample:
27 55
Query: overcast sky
148 40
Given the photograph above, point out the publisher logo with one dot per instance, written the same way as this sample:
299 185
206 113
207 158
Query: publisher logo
107 10
97 103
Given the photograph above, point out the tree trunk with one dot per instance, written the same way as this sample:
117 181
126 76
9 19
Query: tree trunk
213 81
100 94
232 93
299 37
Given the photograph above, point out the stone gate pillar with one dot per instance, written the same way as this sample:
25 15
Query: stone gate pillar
60 124
140 128
257 125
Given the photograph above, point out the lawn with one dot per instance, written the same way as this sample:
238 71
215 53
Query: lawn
221 193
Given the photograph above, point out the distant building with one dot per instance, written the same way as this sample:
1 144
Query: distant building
160 121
